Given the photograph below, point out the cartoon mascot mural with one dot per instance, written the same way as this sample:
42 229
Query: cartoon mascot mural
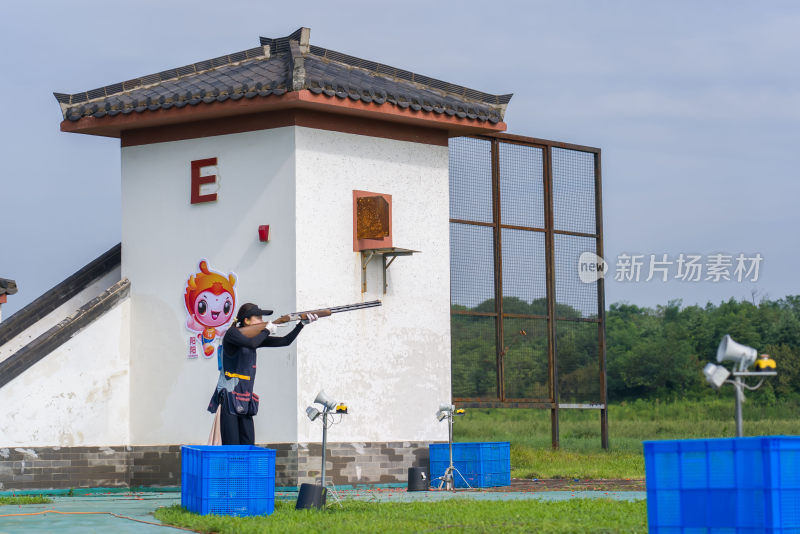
210 301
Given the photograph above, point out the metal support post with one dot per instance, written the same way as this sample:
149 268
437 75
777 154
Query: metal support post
324 442
739 397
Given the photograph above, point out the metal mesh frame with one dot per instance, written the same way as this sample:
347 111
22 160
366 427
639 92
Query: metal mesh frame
521 171
471 265
577 358
471 180
526 330
524 271
574 298
474 373
573 191
525 368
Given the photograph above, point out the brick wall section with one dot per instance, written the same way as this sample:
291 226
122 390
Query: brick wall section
64 467
86 467
361 463
107 467
155 466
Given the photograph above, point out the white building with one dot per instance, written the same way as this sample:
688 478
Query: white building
284 134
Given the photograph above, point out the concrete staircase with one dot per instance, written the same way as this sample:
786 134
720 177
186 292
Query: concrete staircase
60 313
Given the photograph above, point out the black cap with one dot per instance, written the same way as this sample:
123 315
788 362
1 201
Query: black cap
248 309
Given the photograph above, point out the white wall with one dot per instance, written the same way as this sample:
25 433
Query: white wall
77 395
163 239
126 379
391 364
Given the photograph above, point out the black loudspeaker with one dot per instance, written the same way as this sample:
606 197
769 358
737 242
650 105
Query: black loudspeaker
311 496
418 479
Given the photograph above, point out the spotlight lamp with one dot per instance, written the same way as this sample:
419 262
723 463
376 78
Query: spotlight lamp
448 411
716 375
315 495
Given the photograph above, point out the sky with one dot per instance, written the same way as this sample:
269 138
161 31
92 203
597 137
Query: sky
695 105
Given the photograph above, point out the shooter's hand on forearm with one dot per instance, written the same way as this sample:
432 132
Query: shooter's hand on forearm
310 318
255 329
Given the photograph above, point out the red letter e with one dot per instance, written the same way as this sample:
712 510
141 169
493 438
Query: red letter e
197 180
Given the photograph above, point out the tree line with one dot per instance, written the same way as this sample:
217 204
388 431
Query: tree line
661 352
650 352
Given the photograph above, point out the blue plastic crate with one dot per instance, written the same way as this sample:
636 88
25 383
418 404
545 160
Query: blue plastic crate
228 480
723 485
483 465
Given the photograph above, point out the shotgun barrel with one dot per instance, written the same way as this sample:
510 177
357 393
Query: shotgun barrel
351 307
254 330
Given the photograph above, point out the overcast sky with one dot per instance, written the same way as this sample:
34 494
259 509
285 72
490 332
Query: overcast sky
696 106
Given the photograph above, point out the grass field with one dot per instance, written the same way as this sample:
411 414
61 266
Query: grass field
25 499
580 515
580 455
528 431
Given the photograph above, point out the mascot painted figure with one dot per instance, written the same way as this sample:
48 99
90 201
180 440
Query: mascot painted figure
210 300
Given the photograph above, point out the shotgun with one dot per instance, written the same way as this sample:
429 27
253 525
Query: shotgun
255 329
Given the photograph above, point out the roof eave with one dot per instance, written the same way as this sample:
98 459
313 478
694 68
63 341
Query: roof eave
114 126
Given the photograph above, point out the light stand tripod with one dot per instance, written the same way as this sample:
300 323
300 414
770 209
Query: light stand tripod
330 486
447 480
744 357
314 495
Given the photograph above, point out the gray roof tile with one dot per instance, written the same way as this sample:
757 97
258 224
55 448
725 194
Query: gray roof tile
275 68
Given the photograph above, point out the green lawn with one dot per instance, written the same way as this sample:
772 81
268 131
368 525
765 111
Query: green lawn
528 431
580 455
25 499
458 515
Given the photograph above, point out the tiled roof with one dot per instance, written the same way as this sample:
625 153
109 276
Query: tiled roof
276 67
7 287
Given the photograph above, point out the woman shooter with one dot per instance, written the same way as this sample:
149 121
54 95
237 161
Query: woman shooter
234 393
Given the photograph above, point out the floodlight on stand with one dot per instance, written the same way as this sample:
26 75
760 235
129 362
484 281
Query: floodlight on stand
448 411
716 375
314 495
743 357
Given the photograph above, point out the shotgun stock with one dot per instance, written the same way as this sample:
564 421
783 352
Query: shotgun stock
255 329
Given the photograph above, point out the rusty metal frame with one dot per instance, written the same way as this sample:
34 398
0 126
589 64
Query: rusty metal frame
601 300
550 267
498 272
549 230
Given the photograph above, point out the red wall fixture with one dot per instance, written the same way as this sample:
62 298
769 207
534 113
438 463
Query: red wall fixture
263 233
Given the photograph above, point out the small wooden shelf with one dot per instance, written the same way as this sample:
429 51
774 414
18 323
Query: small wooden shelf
390 252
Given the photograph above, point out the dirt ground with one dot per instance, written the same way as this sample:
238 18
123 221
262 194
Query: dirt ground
569 484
